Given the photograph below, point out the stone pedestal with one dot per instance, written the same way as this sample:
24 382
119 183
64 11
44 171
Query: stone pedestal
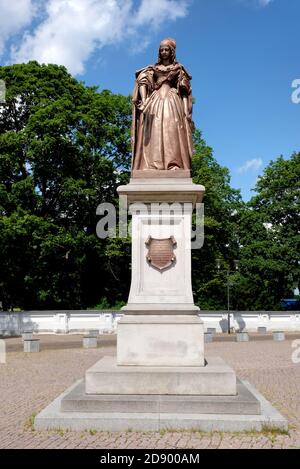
31 345
27 336
160 327
106 377
208 337
242 337
161 209
90 342
278 336
160 378
241 403
160 341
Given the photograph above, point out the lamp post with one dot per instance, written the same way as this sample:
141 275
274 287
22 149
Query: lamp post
228 272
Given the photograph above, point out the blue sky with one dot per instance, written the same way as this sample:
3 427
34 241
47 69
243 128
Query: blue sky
243 56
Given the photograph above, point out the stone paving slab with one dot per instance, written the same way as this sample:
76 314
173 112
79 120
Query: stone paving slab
29 382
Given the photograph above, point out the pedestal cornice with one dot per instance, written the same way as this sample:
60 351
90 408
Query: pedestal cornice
162 190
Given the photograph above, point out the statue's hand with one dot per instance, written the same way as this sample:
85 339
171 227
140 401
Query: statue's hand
142 104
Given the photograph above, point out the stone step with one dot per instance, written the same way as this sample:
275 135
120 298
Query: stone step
52 418
215 378
243 403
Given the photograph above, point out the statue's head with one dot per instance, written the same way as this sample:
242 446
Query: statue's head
167 50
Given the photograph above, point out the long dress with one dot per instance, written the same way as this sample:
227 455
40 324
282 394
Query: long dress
161 132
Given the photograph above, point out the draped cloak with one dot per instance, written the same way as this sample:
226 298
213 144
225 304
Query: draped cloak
161 130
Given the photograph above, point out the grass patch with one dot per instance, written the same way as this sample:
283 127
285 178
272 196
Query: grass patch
266 429
62 431
163 431
29 424
92 432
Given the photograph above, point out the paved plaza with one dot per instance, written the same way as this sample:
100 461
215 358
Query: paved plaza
29 382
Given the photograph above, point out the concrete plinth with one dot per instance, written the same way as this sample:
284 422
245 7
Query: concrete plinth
27 336
242 337
106 377
278 336
208 337
159 415
89 342
160 341
243 403
31 346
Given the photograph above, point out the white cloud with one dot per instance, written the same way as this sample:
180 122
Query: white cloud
14 16
254 165
257 3
264 3
72 30
156 12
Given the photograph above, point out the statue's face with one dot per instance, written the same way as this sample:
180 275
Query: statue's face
165 52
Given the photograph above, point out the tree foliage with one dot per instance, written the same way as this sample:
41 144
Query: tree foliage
269 234
221 206
64 148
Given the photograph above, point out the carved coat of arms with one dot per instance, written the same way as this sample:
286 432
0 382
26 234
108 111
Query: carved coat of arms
161 252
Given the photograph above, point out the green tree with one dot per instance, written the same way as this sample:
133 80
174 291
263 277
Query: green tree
222 204
64 148
269 234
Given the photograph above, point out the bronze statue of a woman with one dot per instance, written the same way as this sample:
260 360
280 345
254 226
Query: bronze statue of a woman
162 114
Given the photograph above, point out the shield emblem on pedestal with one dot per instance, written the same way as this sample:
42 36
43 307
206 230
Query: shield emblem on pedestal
161 252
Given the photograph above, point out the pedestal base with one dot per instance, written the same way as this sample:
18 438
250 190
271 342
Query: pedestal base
148 340
243 403
215 379
157 418
159 380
